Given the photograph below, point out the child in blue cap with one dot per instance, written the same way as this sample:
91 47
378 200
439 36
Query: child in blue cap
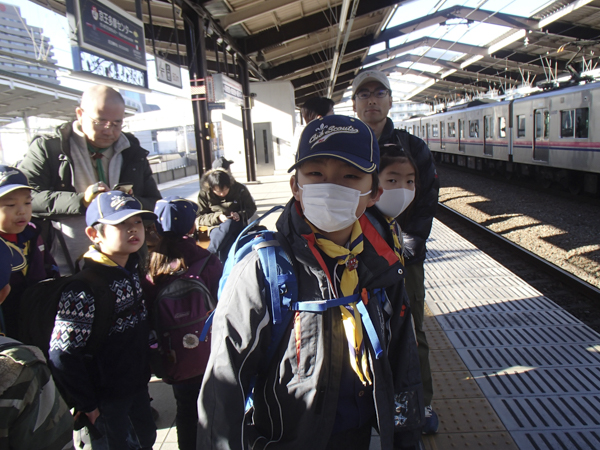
332 377
110 386
175 255
32 412
17 231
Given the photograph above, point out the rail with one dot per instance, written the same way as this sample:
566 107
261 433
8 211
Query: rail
577 284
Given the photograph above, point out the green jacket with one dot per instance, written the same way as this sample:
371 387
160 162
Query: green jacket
49 168
212 206
33 415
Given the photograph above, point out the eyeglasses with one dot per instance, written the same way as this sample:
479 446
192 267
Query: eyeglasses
366 94
105 124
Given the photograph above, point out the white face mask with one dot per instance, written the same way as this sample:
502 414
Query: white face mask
394 201
330 207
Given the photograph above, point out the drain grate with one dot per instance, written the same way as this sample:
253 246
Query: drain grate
562 334
507 320
564 412
554 440
499 358
539 381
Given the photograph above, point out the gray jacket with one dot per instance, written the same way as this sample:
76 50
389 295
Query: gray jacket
296 397
49 168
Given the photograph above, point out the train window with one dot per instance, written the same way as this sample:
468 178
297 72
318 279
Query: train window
434 130
566 123
410 130
488 126
502 127
474 128
542 123
451 129
520 126
581 122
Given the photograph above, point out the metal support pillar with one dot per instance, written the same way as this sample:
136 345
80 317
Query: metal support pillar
247 122
196 51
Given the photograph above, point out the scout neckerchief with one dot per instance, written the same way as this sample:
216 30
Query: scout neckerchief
97 154
395 230
349 283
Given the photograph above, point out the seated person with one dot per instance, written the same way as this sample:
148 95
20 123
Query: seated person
225 207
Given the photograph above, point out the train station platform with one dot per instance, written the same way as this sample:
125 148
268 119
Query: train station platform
511 369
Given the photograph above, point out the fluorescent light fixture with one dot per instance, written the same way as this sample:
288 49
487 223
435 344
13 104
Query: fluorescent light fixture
448 72
419 89
506 41
562 12
470 61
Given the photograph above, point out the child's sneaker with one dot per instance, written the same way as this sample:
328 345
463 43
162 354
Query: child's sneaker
431 421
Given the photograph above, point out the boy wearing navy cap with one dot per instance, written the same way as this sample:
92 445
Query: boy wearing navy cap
19 233
32 412
110 386
333 376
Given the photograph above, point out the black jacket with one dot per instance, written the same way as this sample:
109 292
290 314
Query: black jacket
49 168
295 402
417 220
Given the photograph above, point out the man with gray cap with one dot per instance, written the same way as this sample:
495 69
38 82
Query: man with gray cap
372 100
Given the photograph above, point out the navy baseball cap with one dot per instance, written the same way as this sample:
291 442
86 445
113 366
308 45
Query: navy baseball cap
176 215
11 260
114 207
342 137
12 179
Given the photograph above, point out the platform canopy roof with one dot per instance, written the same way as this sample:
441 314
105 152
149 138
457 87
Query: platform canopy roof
432 49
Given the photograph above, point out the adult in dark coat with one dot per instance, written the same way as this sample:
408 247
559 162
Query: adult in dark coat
372 100
86 157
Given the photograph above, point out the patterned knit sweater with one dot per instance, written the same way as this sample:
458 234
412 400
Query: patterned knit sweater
120 367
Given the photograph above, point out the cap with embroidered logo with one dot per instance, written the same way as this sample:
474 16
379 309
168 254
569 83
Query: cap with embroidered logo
12 179
113 208
341 137
176 215
370 75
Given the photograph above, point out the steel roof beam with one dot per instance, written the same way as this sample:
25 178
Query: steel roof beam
426 42
458 12
306 25
315 58
313 89
252 11
323 75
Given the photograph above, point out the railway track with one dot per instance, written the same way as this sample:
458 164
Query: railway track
575 295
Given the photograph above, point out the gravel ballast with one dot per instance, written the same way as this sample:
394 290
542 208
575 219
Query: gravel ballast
557 227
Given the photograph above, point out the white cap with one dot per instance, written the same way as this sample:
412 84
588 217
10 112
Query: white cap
370 75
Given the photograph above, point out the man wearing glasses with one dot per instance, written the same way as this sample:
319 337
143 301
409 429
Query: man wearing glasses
83 158
372 100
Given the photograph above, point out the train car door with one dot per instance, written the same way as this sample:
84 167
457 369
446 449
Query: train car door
541 142
427 134
488 134
263 142
442 133
461 135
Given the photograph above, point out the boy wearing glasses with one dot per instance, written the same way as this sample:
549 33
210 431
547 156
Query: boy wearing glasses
86 157
372 100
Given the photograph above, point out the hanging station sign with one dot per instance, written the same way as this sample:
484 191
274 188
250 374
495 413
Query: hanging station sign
168 73
224 89
107 41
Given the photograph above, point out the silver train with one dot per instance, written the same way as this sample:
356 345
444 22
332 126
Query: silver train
552 136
